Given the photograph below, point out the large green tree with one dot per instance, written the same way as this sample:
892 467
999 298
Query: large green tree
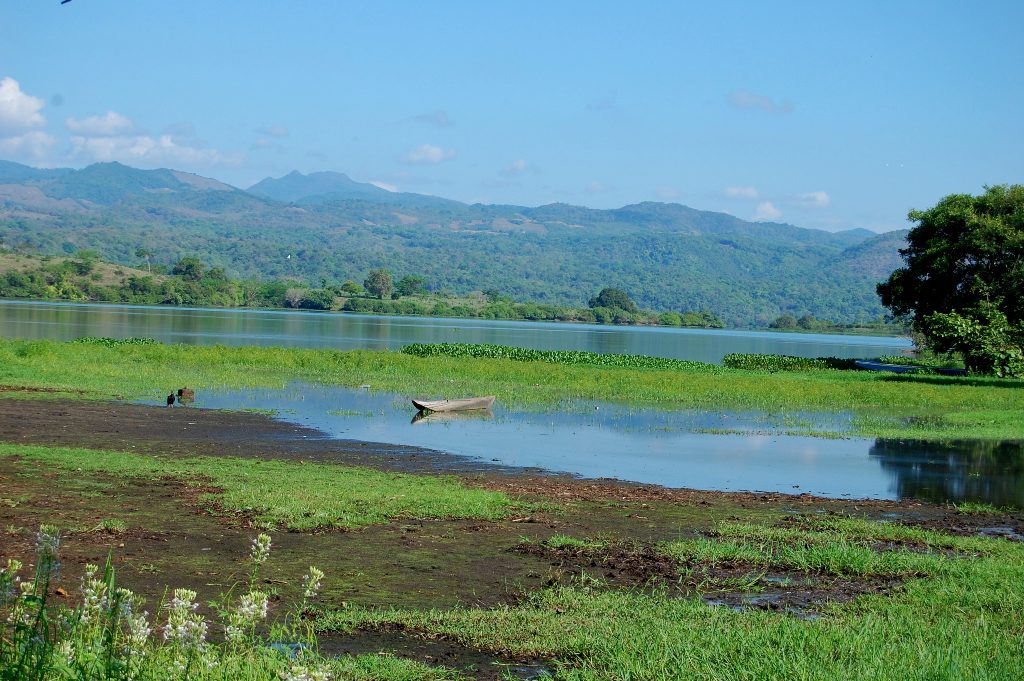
379 283
962 285
614 298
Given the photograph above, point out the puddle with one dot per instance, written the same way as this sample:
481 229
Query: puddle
723 451
435 651
1005 532
735 585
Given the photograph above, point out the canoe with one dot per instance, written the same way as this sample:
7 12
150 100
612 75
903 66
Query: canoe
882 366
454 405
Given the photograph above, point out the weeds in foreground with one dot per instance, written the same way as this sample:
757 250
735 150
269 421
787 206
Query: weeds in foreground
108 634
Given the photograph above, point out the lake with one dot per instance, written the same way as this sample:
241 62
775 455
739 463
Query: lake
200 326
670 448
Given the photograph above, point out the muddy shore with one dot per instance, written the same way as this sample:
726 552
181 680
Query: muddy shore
171 537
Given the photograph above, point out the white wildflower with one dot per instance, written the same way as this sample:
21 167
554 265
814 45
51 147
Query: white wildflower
260 550
252 607
67 651
94 596
184 626
311 582
303 673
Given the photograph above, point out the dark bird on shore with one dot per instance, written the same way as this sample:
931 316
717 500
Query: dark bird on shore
170 400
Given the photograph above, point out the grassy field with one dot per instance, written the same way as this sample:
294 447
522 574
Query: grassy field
292 495
926 407
956 617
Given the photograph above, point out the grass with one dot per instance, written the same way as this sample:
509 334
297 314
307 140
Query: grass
958 616
934 408
286 494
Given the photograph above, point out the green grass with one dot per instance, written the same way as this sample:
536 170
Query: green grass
957 618
893 406
293 495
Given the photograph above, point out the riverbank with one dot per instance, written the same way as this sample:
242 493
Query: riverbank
883 405
579 579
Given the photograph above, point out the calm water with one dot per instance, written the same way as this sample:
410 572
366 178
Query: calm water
605 440
64 321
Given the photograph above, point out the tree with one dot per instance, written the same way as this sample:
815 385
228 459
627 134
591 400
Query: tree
411 285
351 288
378 283
147 255
613 298
962 284
189 268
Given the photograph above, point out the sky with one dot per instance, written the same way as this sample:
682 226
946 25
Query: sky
830 115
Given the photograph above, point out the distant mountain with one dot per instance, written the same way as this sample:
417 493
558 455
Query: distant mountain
316 188
328 226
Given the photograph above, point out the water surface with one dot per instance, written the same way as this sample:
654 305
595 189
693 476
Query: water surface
199 326
665 448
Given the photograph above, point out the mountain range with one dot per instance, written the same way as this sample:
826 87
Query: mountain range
327 226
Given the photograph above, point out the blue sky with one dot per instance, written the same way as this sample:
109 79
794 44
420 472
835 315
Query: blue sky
831 115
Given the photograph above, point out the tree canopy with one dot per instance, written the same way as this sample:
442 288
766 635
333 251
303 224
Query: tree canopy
962 284
379 283
613 298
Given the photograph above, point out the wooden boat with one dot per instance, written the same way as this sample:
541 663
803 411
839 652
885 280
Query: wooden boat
421 417
454 405
882 366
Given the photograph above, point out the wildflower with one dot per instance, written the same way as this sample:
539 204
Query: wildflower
303 673
47 540
138 632
67 651
311 582
185 627
252 607
260 550
94 596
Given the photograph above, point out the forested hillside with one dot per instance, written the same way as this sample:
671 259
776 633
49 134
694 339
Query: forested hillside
328 227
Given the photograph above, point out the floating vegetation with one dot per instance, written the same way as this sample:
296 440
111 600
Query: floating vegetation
755 362
568 357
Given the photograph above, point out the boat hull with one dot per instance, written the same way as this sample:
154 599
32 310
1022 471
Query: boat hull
467 404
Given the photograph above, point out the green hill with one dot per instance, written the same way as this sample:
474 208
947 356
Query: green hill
327 226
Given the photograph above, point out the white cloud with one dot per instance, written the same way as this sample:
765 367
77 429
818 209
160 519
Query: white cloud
668 193
107 125
385 186
18 112
428 154
741 192
147 150
35 144
439 118
767 211
741 99
596 187
815 199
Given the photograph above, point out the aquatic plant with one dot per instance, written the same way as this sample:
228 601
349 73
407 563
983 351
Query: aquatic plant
568 357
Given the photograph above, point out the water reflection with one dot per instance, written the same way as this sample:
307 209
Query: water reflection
973 470
671 448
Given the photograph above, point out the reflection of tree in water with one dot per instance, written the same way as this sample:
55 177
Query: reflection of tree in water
969 470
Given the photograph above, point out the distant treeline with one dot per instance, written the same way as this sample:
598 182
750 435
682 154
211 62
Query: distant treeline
190 282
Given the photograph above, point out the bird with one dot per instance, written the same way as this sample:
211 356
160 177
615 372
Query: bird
170 398
64 2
